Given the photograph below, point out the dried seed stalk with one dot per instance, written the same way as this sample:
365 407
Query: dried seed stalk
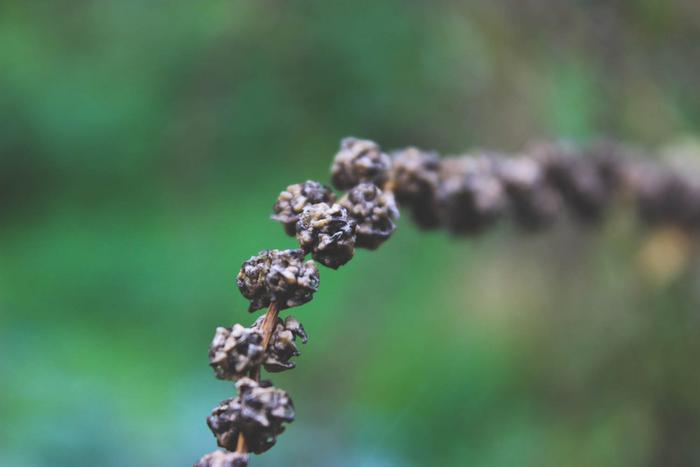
464 195
267 327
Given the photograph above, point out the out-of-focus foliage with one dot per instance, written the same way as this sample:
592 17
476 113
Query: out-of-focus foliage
143 143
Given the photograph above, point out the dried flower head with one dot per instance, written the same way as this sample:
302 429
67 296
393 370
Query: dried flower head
251 280
223 459
374 211
581 184
328 233
470 196
292 280
282 346
283 277
610 161
414 178
235 351
534 202
464 194
359 160
665 197
292 201
258 412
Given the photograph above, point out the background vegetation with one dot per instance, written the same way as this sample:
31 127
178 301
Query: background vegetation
141 148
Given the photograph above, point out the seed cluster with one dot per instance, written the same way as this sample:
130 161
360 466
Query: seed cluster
469 193
359 160
666 197
292 201
470 197
374 213
535 204
328 233
415 177
464 195
235 351
258 412
283 277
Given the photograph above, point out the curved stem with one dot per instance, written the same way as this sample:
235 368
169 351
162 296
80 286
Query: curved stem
268 326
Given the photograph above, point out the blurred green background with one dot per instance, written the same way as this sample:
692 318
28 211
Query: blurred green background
142 145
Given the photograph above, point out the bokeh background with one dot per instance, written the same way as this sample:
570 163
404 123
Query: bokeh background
142 145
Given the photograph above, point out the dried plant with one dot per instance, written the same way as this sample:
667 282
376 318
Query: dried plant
464 195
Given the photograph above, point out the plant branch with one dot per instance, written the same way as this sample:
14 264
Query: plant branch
268 327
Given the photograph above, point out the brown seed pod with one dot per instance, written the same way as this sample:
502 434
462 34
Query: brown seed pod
292 201
535 204
664 197
280 276
414 179
374 212
581 182
470 197
328 233
223 459
251 280
359 160
259 412
292 280
235 351
610 161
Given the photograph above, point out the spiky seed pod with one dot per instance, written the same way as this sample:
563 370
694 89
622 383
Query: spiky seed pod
251 280
665 197
610 162
235 351
414 179
374 212
292 201
282 345
535 203
280 276
580 182
659 195
223 459
328 233
359 160
225 423
259 412
292 280
470 196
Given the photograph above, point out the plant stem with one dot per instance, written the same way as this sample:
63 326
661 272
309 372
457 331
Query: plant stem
268 324
241 445
268 327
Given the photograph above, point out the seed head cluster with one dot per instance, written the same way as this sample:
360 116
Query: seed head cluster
534 203
665 197
359 160
328 233
235 351
415 178
259 412
283 277
464 195
374 213
292 201
470 197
